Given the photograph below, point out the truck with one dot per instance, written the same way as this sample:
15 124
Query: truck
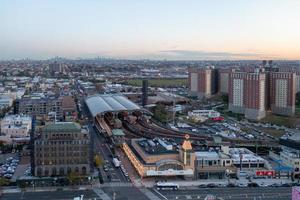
116 162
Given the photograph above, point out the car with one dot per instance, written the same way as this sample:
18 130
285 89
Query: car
220 185
5 165
202 186
9 159
231 185
8 176
242 185
211 185
105 168
252 184
286 185
275 185
14 164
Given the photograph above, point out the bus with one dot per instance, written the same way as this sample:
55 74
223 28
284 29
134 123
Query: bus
166 186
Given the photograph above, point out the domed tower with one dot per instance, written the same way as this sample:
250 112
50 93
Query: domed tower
186 153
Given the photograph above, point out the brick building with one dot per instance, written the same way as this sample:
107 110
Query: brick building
203 82
62 148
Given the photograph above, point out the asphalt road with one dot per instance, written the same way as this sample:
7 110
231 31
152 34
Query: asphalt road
57 195
124 193
100 146
282 193
103 149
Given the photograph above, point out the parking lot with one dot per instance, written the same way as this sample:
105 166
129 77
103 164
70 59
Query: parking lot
9 165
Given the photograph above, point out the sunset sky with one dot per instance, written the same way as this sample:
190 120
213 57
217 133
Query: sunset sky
153 29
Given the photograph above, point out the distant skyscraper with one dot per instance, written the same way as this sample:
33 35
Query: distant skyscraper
283 92
55 67
203 82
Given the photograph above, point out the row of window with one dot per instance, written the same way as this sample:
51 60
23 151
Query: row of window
61 161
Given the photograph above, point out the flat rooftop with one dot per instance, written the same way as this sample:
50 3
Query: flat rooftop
62 127
153 147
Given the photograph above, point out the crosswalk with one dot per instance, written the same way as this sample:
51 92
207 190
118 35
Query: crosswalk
101 194
117 184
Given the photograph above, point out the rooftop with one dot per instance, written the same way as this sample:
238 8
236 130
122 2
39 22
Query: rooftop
154 147
207 154
118 132
62 127
109 103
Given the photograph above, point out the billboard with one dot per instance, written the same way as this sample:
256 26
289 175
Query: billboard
265 173
169 172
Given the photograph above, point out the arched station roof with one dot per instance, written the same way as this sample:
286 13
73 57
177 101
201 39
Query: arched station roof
98 104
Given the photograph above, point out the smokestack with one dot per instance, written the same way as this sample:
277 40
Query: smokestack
144 93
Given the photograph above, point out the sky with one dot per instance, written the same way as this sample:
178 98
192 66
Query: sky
150 29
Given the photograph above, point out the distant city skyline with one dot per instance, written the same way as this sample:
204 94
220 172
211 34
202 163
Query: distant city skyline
135 29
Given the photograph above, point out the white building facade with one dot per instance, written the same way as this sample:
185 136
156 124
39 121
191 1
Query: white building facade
15 128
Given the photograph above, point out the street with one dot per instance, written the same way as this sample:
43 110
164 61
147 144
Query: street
50 195
229 193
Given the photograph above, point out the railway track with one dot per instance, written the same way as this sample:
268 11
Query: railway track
142 129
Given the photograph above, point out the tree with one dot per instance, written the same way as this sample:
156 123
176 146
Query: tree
161 113
3 181
225 98
72 177
98 161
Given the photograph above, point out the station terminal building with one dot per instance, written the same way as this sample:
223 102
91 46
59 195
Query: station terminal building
162 157
159 157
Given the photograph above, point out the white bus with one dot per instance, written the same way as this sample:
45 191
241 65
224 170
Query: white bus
166 186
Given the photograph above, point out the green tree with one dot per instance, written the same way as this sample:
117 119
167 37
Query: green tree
98 160
3 181
225 98
72 177
161 113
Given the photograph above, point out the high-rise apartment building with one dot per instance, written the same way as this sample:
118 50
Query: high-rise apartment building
203 82
247 94
283 92
223 81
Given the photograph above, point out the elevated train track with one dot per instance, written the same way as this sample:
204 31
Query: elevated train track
151 130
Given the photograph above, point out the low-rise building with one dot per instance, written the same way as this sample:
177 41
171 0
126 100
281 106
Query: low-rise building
40 105
214 164
291 158
15 128
246 159
153 158
5 101
204 113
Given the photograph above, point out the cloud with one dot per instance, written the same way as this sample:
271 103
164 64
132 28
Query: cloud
188 54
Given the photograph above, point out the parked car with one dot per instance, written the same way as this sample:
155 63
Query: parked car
252 184
211 185
231 185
